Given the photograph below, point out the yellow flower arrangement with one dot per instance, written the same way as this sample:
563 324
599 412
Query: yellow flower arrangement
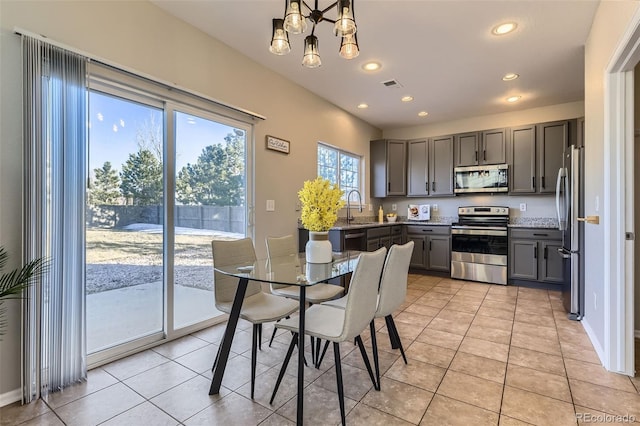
321 201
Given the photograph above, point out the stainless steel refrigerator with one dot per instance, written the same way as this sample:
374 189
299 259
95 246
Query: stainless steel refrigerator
570 207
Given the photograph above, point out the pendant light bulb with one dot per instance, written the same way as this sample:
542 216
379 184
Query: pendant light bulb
345 24
311 58
349 47
294 22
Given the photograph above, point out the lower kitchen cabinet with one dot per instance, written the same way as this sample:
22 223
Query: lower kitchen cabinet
432 247
383 236
533 255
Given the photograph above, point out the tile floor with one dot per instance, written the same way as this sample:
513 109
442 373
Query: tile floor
478 354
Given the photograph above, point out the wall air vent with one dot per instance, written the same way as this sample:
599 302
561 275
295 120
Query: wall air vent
392 84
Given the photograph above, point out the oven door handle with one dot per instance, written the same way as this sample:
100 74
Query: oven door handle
484 231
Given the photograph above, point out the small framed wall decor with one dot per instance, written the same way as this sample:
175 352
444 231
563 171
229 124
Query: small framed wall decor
277 144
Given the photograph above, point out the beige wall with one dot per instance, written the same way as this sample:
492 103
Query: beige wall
610 23
142 37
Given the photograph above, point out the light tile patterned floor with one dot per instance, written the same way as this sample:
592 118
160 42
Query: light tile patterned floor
478 354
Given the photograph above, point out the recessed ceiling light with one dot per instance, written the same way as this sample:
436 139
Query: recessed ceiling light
423 114
513 99
505 28
371 66
363 106
510 76
407 98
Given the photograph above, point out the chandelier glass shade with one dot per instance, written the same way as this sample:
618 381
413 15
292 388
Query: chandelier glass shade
295 22
279 40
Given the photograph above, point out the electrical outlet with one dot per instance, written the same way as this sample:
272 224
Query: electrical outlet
298 206
271 205
434 207
394 207
523 207
370 207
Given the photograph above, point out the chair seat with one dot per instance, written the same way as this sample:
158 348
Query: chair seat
342 303
314 294
324 322
263 307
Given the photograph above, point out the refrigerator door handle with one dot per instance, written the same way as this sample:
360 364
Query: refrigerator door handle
562 172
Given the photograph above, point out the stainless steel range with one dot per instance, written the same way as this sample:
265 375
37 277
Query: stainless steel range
479 244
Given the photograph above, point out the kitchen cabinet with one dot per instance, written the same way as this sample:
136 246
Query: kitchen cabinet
388 167
383 236
430 167
432 247
477 148
533 255
536 157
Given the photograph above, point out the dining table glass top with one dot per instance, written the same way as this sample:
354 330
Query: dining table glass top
293 269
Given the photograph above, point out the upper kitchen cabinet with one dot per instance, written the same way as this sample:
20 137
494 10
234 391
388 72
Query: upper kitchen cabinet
388 167
476 148
430 167
552 138
536 156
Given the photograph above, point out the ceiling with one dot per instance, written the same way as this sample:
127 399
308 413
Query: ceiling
441 52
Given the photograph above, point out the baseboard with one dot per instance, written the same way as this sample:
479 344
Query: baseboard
10 397
594 341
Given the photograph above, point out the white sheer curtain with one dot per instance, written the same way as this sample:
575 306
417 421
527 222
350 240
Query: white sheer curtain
55 134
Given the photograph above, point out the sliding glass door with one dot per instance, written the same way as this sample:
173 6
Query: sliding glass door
209 203
124 222
164 179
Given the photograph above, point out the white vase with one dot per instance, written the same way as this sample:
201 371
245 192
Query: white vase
318 248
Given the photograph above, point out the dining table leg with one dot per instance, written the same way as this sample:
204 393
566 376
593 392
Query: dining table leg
300 408
227 340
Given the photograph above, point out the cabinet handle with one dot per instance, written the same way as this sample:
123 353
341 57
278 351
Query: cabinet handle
484 153
422 245
433 186
388 186
543 182
535 252
533 182
430 244
540 235
427 230
545 253
476 155
426 186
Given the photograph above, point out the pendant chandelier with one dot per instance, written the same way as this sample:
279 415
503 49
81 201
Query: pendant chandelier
295 22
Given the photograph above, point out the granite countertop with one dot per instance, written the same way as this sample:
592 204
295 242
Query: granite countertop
364 223
534 222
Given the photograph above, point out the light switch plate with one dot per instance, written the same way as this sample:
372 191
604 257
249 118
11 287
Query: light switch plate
271 205
523 207
394 207
434 207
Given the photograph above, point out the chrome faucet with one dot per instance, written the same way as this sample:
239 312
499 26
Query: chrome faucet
349 217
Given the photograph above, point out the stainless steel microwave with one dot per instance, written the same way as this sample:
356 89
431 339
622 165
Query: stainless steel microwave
490 178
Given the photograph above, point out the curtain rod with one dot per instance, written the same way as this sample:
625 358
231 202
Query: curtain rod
95 58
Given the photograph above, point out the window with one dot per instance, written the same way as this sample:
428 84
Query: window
340 167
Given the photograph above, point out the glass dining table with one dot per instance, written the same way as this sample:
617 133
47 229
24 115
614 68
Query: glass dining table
288 270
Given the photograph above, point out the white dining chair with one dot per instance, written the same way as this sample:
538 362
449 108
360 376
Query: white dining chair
391 294
341 325
286 246
258 307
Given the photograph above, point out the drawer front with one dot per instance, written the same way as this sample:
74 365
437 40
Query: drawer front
428 230
396 230
382 231
536 233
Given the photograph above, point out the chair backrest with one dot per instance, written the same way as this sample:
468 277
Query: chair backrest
393 283
280 247
363 293
232 252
